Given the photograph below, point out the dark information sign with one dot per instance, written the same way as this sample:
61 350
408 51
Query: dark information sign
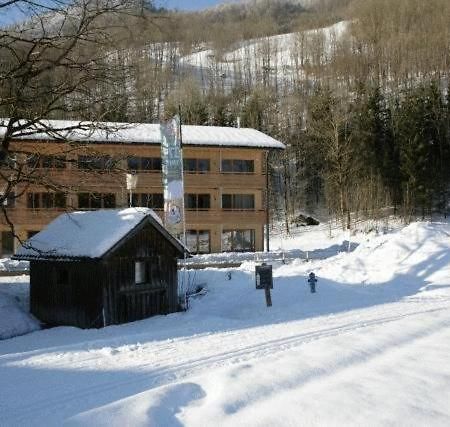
263 276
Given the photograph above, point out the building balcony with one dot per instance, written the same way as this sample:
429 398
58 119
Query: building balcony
79 180
37 218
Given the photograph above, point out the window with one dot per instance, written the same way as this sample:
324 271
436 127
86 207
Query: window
197 201
7 243
148 200
238 241
238 201
96 200
33 200
140 273
198 241
10 161
46 161
237 166
95 162
46 200
196 165
53 162
152 164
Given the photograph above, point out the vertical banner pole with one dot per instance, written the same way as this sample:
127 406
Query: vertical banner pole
172 177
267 203
185 284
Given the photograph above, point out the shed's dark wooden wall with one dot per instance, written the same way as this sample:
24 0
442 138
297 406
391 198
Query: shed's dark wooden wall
125 301
78 303
104 292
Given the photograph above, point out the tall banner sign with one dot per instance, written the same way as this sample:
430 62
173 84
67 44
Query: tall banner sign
172 176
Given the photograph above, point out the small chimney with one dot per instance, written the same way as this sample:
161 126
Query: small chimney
238 122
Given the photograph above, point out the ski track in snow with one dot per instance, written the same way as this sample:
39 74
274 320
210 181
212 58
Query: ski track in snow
263 344
376 307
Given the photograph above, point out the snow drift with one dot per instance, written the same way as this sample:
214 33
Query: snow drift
14 306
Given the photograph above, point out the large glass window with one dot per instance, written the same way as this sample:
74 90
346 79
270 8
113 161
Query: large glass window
237 166
198 241
148 200
46 200
197 201
238 201
152 164
196 165
96 200
238 241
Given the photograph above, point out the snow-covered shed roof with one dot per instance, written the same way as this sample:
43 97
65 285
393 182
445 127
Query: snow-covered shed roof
142 133
89 234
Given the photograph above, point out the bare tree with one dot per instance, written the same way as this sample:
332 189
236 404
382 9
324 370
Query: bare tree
57 63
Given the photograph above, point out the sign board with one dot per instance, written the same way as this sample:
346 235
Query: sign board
172 175
263 277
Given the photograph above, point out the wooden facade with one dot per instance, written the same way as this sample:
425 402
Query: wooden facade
89 293
211 226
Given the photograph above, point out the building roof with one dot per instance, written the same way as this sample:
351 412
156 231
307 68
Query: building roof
143 133
90 234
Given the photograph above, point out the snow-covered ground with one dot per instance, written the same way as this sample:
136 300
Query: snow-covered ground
371 347
14 308
7 264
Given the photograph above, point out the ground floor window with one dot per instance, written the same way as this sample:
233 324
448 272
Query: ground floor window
7 243
198 241
238 241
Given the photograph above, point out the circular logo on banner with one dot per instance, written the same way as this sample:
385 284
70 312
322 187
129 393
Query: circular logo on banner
174 214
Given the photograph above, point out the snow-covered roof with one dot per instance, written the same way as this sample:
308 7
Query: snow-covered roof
88 234
143 133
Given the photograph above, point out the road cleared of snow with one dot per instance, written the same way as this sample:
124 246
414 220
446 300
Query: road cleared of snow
371 347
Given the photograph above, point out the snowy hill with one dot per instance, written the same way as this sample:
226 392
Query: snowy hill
281 56
371 344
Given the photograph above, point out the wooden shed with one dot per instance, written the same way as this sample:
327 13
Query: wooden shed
97 268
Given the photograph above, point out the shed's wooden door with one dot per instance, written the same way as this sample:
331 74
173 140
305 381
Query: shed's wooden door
141 304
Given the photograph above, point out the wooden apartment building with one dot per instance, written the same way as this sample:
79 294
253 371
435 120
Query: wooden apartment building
224 180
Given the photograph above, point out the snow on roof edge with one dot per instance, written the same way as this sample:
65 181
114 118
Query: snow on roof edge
89 235
144 133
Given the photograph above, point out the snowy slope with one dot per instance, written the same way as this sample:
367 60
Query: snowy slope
370 348
281 54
